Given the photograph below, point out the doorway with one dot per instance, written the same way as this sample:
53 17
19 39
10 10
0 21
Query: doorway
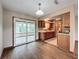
24 31
62 31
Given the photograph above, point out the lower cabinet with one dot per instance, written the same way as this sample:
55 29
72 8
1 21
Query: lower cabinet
63 41
46 35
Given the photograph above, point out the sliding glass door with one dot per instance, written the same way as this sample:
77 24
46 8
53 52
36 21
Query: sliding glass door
30 31
24 32
20 33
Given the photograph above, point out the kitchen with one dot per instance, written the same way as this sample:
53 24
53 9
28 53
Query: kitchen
55 31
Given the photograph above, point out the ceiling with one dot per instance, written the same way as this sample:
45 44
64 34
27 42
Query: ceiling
31 6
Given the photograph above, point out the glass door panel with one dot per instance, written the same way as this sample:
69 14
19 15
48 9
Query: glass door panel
20 33
30 31
24 32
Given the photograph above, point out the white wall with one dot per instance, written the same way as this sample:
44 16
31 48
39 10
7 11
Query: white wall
1 35
7 25
72 22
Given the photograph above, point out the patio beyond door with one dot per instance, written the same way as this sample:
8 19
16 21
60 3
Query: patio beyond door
24 32
30 31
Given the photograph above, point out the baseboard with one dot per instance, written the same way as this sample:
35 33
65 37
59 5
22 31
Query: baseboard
1 55
71 52
76 41
37 40
7 48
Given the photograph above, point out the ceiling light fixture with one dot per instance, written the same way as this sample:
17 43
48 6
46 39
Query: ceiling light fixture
39 11
56 2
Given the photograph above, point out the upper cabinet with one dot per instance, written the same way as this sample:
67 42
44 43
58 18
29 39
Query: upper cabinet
46 24
58 23
66 22
41 24
66 19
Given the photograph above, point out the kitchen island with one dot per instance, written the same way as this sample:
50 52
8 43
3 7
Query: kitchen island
44 35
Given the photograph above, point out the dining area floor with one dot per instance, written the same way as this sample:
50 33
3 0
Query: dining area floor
36 50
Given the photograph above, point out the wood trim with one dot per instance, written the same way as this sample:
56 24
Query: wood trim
71 52
61 14
23 18
35 30
13 31
76 41
9 47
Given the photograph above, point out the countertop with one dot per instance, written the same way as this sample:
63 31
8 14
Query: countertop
63 33
46 31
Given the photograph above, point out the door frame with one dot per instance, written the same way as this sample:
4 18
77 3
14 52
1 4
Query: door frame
13 30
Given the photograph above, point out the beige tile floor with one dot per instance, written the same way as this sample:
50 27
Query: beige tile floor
52 41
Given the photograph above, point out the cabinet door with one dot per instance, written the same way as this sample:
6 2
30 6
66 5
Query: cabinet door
58 25
68 42
41 24
60 41
66 19
63 42
51 26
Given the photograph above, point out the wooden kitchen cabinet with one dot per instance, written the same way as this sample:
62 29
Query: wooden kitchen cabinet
66 20
58 25
41 24
63 41
46 35
51 26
